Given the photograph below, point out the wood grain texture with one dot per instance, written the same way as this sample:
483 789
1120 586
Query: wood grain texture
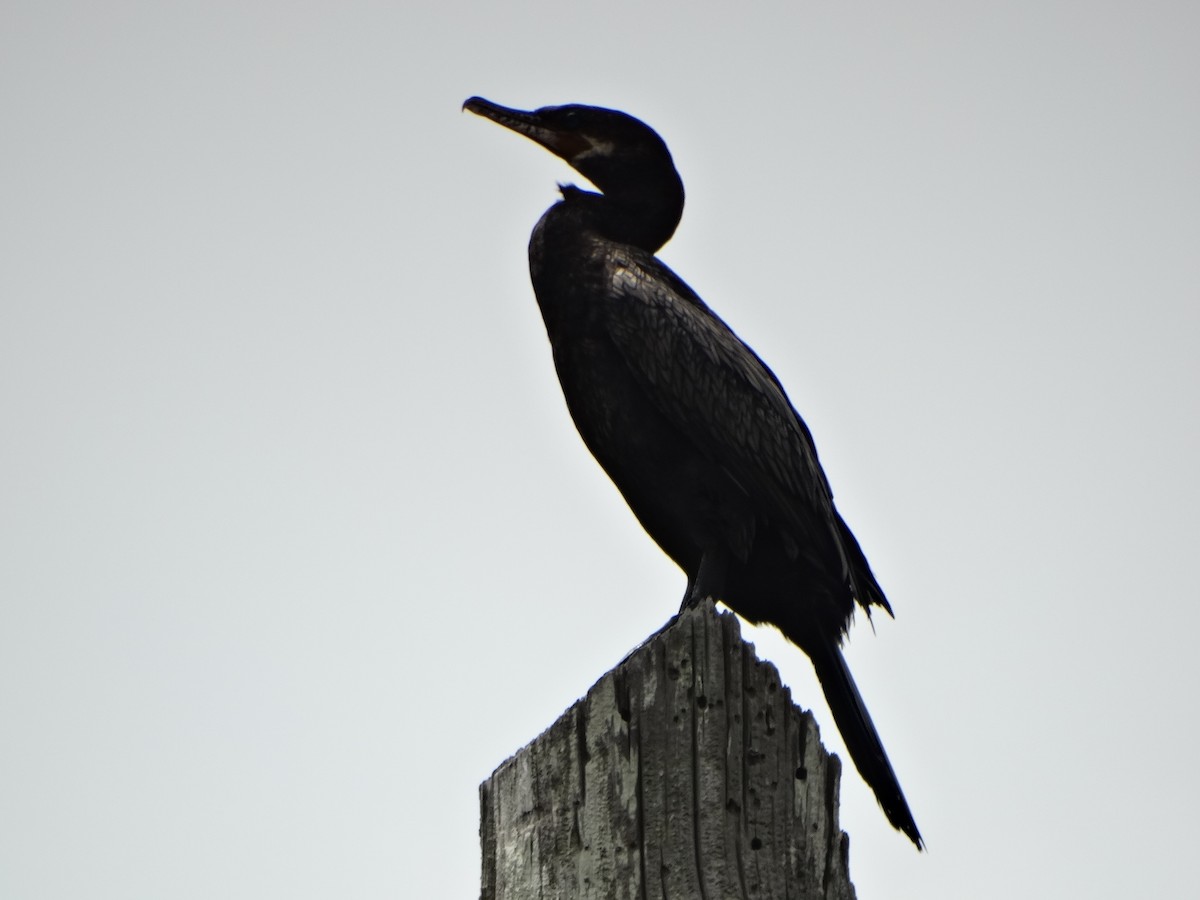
686 772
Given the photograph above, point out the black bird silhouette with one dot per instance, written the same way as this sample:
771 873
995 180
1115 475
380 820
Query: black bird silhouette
694 430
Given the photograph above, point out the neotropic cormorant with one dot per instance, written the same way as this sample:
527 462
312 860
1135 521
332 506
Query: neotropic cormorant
692 427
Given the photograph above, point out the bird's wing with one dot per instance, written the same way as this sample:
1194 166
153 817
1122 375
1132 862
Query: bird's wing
717 391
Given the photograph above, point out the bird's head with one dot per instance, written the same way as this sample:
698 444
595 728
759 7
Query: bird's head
617 153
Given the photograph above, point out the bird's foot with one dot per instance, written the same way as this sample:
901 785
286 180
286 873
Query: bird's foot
709 581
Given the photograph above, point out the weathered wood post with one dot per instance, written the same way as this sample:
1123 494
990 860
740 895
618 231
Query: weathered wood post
686 772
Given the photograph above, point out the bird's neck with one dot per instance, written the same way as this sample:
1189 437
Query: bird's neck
641 215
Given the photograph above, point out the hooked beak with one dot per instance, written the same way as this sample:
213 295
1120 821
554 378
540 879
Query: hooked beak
564 144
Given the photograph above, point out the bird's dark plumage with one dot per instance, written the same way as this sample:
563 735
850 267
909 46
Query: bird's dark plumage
694 430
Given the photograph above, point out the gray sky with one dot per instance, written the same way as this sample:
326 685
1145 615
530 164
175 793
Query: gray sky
297 541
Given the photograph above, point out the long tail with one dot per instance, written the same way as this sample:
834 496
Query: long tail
854 722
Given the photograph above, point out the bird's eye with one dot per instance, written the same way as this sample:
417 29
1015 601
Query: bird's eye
571 119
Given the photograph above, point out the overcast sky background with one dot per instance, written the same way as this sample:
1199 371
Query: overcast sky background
297 541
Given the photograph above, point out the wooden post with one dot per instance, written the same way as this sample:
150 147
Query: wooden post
686 772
